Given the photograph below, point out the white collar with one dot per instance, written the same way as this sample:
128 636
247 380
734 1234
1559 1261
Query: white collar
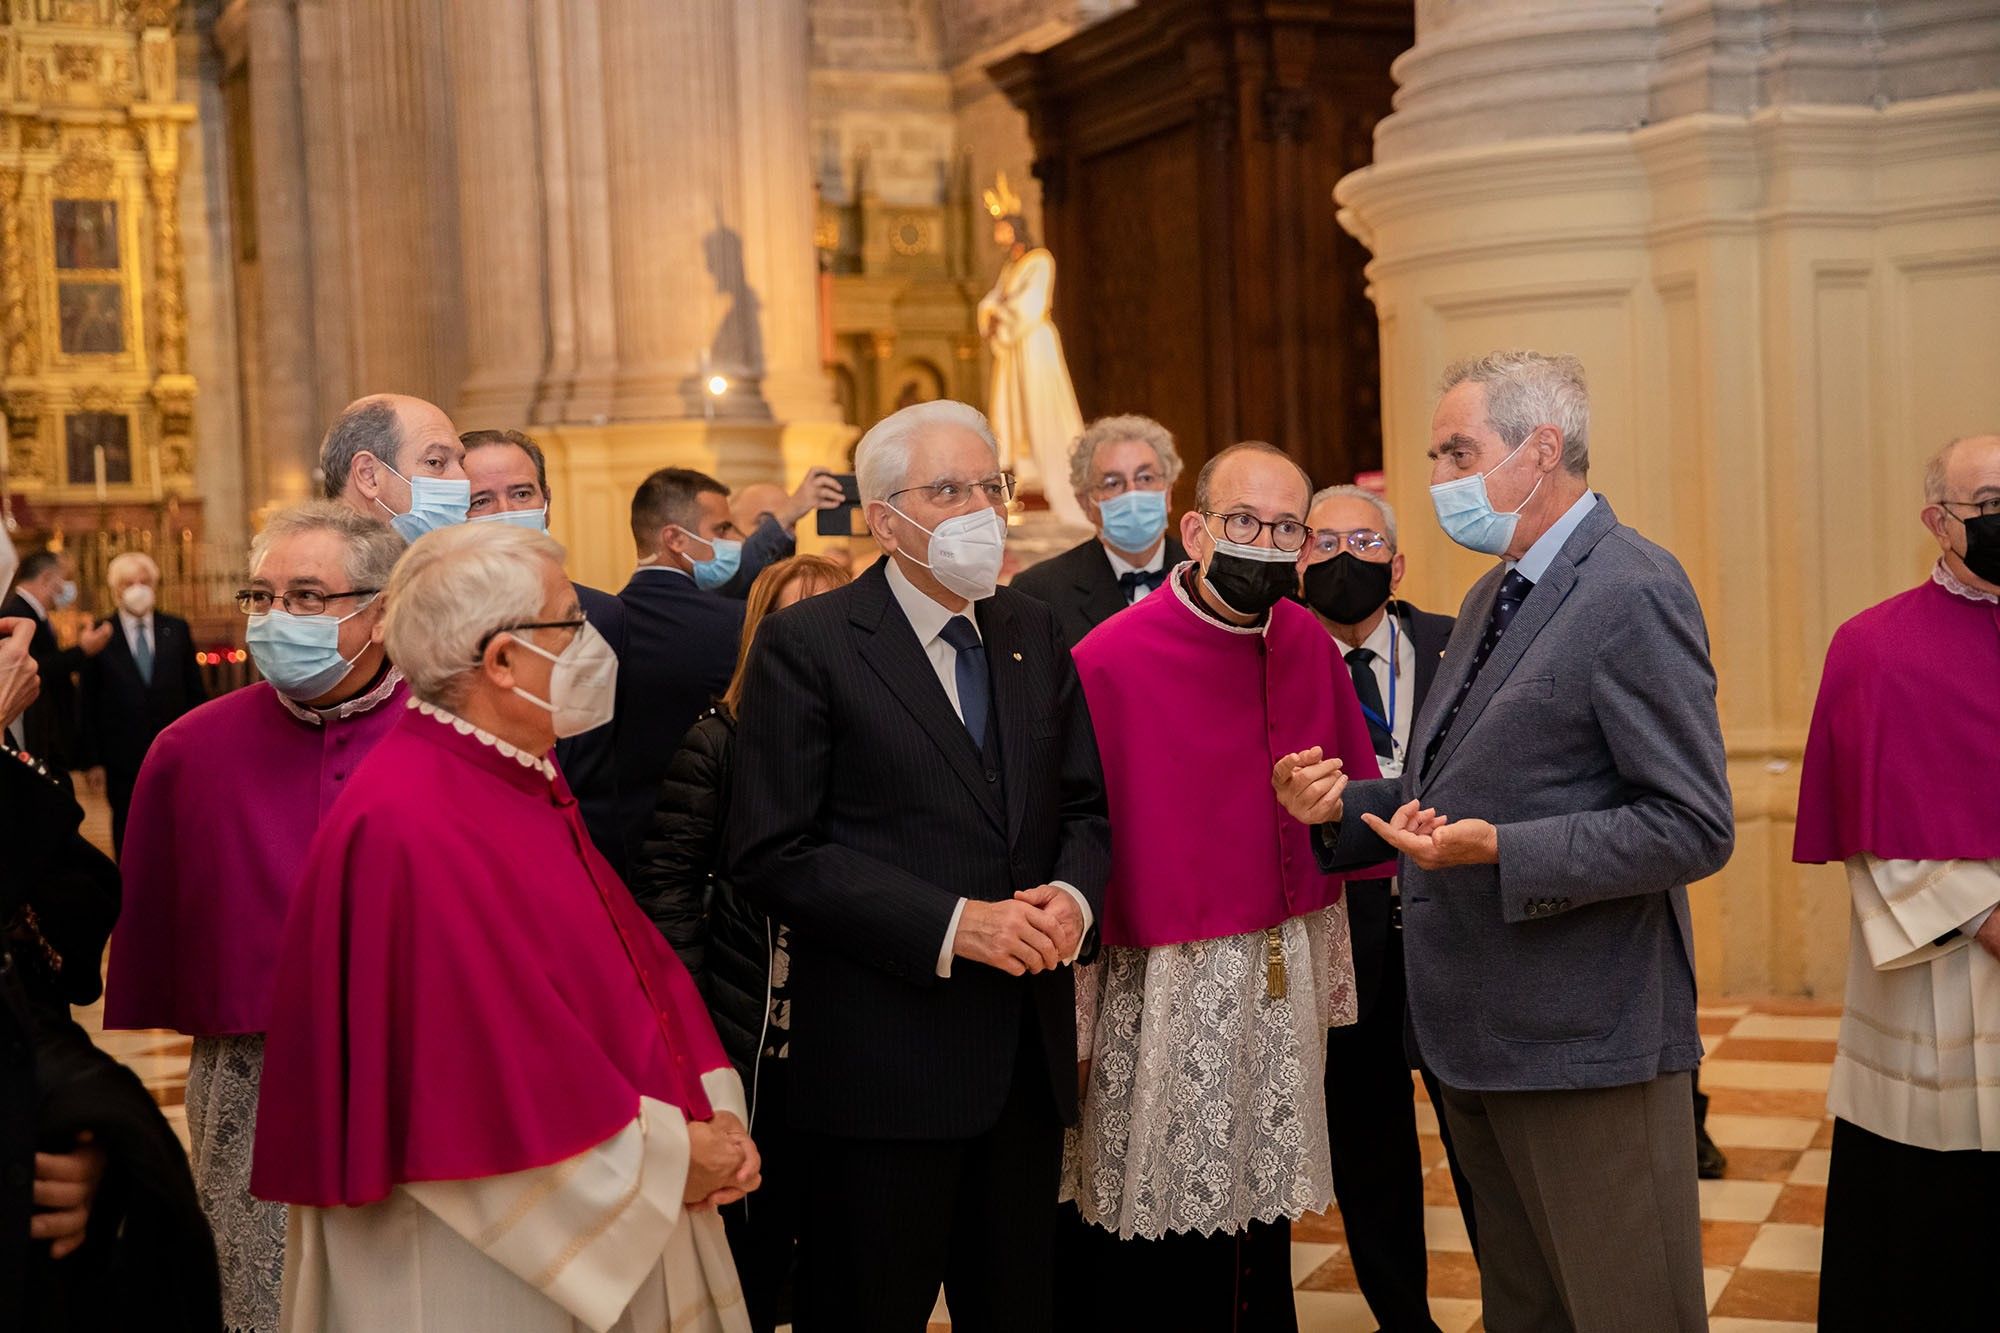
1120 566
927 615
1381 641
41 612
458 724
128 620
663 569
1951 583
340 712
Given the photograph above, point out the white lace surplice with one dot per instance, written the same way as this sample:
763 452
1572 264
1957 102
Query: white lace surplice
1206 1108
223 1075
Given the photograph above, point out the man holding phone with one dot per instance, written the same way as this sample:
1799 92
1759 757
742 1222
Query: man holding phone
770 519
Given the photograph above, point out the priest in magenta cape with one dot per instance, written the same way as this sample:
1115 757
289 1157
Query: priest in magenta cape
1226 953
223 811
1902 785
492 1094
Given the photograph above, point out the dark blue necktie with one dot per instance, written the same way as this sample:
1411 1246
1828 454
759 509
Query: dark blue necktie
1514 590
1359 665
970 672
1138 582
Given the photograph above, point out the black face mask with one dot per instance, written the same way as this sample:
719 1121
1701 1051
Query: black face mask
1982 546
1347 589
1250 587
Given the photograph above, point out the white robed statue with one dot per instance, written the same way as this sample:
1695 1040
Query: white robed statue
1032 408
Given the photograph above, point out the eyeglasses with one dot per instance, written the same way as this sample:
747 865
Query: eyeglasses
493 634
997 489
1287 534
300 602
1987 508
1362 541
1112 486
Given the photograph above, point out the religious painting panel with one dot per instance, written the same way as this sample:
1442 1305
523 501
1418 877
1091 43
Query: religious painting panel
88 433
86 232
90 317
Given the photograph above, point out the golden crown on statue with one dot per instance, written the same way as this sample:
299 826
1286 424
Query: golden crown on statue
1001 201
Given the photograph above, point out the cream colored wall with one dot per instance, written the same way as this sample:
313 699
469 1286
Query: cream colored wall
1781 314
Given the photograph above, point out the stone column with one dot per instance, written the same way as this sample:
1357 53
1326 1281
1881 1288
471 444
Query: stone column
289 411
1772 243
500 212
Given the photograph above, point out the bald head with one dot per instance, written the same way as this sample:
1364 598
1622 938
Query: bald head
378 444
750 505
1962 496
1253 467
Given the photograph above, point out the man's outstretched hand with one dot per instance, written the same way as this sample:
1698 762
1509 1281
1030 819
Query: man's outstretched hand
1436 842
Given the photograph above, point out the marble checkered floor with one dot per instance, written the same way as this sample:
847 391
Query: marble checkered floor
1766 1078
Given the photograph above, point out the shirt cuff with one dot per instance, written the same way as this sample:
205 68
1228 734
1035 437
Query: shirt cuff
1082 905
950 938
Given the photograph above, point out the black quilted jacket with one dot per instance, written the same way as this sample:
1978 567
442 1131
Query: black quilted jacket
723 939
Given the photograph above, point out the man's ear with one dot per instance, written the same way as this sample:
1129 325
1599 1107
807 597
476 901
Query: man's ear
498 660
1396 568
1192 531
367 474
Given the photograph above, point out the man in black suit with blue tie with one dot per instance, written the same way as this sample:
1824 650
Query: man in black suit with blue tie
1392 649
1123 471
916 793
145 678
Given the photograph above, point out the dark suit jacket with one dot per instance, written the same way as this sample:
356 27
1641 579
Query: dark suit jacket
51 722
589 761
1080 588
1368 900
769 544
121 711
1590 739
861 812
677 654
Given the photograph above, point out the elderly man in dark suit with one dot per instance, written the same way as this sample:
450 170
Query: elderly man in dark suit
1353 569
916 791
50 727
1566 783
1123 471
144 679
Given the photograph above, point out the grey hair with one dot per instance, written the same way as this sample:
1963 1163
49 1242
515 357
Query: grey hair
1936 481
1382 507
366 426
372 548
1117 430
882 459
1529 389
130 562
455 587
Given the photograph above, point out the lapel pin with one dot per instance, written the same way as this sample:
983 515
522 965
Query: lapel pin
1017 657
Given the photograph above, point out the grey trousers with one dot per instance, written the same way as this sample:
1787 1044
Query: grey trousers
1589 1219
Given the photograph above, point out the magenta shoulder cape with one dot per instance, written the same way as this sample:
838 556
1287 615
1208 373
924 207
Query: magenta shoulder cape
1190 719
465 988
226 804
1903 760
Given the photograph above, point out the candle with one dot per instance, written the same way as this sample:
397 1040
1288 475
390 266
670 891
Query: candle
100 473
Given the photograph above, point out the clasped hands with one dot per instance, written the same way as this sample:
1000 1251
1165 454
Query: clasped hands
723 1162
1311 787
1038 929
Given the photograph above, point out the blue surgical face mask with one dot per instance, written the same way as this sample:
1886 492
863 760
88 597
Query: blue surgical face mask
435 502
66 595
1134 521
1466 512
300 655
726 557
536 520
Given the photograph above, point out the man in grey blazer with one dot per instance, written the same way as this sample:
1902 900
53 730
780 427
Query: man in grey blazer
1567 782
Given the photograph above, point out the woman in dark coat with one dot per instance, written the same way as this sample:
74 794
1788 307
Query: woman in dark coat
737 954
99 1228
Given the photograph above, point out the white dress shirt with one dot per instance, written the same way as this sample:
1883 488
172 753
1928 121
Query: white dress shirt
135 628
1120 567
928 617
1395 668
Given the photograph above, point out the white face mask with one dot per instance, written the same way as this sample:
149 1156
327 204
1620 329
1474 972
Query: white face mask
583 687
966 551
137 599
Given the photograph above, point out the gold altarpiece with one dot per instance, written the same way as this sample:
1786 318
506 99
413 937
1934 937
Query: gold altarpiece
93 315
